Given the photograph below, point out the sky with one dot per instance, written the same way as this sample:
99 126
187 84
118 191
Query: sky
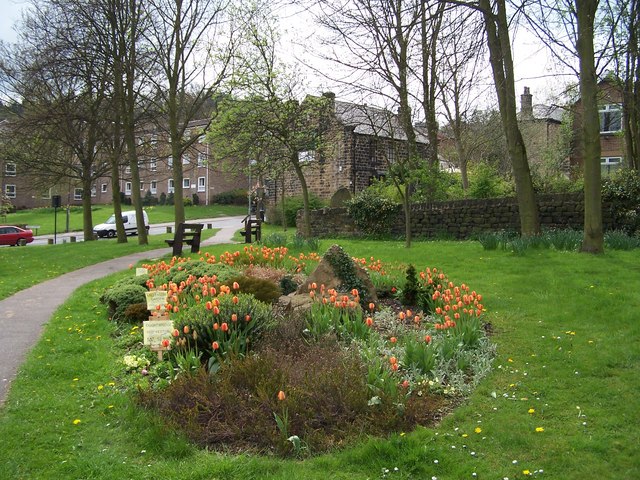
533 68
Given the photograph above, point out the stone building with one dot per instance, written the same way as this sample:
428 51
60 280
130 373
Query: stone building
541 131
359 143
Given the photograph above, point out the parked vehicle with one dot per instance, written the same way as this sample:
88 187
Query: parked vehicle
108 228
10 235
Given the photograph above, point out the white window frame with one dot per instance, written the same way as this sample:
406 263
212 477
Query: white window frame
8 171
154 187
186 183
153 165
10 191
127 188
103 188
77 193
94 191
46 195
170 161
306 156
170 186
201 159
609 164
141 186
610 110
202 184
127 169
186 160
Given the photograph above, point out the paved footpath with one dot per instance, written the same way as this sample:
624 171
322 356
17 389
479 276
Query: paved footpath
22 330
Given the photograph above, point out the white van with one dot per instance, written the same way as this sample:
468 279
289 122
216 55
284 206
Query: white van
108 228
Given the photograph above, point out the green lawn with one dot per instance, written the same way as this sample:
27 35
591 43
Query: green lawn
44 217
568 363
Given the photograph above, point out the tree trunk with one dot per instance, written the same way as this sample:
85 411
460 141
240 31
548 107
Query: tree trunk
593 240
406 206
306 224
497 29
87 220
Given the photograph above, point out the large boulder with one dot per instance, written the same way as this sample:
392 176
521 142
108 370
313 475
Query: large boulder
337 270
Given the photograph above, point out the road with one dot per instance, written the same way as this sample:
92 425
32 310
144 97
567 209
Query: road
154 229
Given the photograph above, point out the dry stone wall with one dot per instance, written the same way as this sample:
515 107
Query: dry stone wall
461 219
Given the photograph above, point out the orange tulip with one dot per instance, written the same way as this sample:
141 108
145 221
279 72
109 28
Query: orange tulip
247 318
427 338
393 340
234 317
369 321
281 395
176 332
216 311
216 326
215 345
235 300
372 306
186 329
236 286
224 327
165 343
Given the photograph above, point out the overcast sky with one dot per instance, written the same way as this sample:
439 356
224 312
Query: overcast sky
532 68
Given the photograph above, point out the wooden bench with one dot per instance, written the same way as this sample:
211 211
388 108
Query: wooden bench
186 233
252 227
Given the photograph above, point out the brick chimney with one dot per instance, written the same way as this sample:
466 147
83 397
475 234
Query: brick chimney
526 105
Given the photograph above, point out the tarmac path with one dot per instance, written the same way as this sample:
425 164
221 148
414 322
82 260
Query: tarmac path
21 331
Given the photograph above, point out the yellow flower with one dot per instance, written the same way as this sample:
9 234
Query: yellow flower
526 472
100 387
464 435
539 429
478 430
531 411
76 421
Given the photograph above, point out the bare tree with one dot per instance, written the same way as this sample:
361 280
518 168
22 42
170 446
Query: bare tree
379 39
461 52
193 41
64 89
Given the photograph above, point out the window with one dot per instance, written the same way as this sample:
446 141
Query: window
186 183
201 157
610 118
154 139
141 186
127 188
10 191
153 165
171 187
170 161
103 188
610 164
127 169
77 194
201 184
94 191
10 169
306 156
186 160
46 194
154 186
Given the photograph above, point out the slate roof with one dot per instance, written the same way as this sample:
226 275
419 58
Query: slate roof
367 120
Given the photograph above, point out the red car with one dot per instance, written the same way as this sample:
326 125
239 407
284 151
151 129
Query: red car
15 236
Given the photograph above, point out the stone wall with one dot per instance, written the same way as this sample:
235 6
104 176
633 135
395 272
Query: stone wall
462 218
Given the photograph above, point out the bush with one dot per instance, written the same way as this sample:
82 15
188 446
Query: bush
291 207
371 213
187 202
485 182
163 199
195 199
121 296
622 190
238 196
149 200
170 199
263 289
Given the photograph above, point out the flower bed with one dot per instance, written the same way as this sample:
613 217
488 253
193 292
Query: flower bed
244 373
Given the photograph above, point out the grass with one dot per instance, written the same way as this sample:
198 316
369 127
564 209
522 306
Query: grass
566 328
44 217
23 267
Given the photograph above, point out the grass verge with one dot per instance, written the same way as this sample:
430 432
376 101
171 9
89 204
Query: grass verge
561 402
44 217
23 267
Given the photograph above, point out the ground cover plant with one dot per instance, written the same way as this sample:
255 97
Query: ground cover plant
565 379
